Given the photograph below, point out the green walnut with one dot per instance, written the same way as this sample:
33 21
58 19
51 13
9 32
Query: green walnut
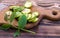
28 4
26 11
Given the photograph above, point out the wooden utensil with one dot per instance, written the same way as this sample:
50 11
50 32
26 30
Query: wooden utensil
52 14
14 23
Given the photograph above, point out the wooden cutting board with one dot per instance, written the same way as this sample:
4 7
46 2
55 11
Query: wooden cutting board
45 29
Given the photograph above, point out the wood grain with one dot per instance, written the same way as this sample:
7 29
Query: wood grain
45 29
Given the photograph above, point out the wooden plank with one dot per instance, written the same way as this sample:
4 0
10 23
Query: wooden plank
45 29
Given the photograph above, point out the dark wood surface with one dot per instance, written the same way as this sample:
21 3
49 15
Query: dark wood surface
45 29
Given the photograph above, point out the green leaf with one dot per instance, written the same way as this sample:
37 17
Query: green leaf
22 21
20 8
6 17
18 14
16 33
12 17
5 26
16 8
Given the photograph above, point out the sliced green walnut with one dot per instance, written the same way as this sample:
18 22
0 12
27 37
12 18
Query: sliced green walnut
29 16
26 15
26 11
11 7
33 20
33 16
18 14
35 13
28 4
9 13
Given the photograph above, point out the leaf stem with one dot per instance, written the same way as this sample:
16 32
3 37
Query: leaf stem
29 31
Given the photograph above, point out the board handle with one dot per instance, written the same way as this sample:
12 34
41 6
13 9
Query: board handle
52 14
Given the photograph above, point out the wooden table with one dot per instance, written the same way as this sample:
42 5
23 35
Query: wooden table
45 29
